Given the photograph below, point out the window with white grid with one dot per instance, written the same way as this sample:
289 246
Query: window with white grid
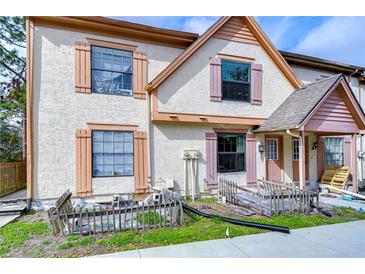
295 149
272 148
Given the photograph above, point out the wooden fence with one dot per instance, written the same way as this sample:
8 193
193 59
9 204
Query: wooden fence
12 177
93 219
269 198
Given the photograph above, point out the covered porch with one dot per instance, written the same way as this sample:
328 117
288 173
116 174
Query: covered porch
316 126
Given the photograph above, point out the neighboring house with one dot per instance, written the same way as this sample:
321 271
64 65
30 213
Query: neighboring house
310 69
118 108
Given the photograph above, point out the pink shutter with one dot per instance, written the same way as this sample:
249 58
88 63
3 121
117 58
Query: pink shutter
251 158
347 151
211 159
215 80
256 85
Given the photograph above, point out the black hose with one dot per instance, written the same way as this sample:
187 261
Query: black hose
282 229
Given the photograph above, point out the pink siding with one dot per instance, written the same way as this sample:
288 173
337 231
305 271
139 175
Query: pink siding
211 158
333 115
215 80
347 151
256 75
251 158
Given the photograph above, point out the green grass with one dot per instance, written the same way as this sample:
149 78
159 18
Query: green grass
152 219
47 242
15 234
74 240
200 229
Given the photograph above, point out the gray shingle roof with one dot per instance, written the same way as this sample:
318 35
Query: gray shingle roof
298 105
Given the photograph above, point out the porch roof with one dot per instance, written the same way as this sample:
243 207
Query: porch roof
299 106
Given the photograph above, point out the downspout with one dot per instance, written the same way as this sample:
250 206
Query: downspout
360 161
149 147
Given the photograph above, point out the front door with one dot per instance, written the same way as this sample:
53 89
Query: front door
274 158
295 157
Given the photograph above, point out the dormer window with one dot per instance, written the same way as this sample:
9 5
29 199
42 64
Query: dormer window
236 81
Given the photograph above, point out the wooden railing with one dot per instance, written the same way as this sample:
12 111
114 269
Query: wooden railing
12 177
269 198
166 211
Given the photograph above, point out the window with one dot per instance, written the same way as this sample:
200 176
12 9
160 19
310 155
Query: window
112 153
231 152
295 149
333 150
111 71
235 81
272 148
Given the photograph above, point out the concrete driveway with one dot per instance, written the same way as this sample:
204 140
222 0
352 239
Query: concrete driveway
329 241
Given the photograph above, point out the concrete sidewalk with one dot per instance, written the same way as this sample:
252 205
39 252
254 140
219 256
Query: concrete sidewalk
328 241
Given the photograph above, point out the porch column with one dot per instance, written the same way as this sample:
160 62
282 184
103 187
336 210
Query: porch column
354 163
302 160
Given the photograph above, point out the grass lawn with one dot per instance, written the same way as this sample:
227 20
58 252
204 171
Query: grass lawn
31 236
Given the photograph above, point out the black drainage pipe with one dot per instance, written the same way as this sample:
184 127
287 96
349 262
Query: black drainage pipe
277 228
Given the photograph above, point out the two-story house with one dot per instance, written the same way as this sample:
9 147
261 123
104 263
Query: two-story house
116 108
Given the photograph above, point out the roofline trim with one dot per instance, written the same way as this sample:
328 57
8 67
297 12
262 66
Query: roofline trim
301 59
119 29
260 36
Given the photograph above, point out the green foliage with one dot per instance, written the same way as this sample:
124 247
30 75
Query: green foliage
47 242
12 40
12 88
15 234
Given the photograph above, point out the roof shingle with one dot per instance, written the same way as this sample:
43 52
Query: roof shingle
298 105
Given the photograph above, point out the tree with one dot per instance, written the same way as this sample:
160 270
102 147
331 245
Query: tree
12 88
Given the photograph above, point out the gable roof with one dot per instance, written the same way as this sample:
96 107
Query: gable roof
293 112
257 32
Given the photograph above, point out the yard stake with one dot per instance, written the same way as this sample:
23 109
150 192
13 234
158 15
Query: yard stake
101 219
154 214
88 221
148 216
80 224
113 218
125 216
137 215
119 217
143 224
94 219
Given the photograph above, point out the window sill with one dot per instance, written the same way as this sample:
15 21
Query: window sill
116 176
231 173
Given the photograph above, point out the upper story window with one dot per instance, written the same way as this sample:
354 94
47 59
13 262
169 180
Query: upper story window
111 71
112 153
236 81
231 152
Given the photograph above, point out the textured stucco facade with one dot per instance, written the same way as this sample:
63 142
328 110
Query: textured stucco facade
59 110
189 86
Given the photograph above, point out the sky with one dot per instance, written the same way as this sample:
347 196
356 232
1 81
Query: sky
340 39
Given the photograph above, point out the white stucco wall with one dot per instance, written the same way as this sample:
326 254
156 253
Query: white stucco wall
59 110
169 142
188 89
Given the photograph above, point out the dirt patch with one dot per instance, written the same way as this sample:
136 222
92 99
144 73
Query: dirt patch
222 209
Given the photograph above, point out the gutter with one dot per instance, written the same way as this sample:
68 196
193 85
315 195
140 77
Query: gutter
149 147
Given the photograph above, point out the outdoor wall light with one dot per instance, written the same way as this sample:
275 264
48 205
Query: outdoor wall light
261 148
314 146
